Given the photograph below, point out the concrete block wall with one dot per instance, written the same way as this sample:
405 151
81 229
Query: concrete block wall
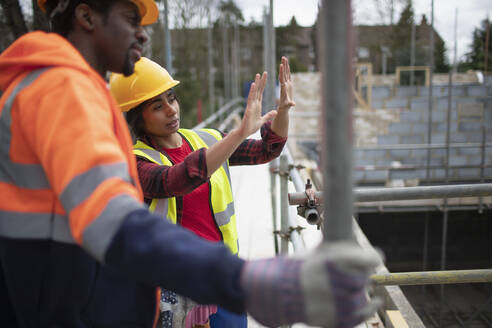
471 109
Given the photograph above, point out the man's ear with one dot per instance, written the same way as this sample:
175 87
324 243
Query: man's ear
84 16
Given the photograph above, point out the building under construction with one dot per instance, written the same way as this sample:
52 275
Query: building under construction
420 161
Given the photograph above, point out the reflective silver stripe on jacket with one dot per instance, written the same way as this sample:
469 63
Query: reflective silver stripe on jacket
210 140
35 226
30 176
98 235
162 207
224 217
25 225
83 185
154 154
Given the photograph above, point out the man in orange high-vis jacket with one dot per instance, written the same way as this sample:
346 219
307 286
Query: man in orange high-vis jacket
77 246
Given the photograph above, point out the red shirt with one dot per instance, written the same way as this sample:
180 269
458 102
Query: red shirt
196 213
190 172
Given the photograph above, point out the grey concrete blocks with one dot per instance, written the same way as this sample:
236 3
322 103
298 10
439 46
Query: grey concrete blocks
376 175
381 92
439 116
419 103
407 91
400 154
413 139
469 126
419 128
412 116
377 103
388 140
477 90
397 103
468 172
401 128
403 174
458 160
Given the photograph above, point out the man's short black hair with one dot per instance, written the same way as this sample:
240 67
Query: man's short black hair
62 23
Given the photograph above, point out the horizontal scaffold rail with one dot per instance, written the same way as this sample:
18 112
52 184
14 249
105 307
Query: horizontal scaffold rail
407 193
432 277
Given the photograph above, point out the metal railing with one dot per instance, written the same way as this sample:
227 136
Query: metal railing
223 115
289 231
407 193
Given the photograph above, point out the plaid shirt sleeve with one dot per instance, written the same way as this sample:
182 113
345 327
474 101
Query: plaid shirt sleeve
160 181
252 151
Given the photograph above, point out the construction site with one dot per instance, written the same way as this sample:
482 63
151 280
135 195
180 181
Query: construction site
398 159
418 157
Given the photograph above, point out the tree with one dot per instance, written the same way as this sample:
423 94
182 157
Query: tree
401 43
14 18
13 23
287 42
475 59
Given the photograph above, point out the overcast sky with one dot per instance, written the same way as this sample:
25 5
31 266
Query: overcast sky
470 14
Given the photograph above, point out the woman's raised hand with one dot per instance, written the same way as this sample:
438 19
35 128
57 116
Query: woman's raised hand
286 100
252 119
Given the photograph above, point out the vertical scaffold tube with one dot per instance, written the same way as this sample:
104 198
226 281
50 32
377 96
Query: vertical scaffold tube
335 39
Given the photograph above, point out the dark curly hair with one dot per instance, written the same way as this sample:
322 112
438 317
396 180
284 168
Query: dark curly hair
135 121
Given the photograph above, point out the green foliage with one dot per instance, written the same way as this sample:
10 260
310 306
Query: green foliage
296 66
475 59
401 38
230 11
188 92
441 64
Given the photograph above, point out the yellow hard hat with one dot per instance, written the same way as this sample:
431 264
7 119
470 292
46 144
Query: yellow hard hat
147 8
148 80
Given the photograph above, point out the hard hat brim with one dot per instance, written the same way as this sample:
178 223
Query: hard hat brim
147 8
125 107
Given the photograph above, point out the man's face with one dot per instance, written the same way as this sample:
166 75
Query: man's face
120 38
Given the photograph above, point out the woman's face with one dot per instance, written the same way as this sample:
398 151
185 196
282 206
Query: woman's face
161 115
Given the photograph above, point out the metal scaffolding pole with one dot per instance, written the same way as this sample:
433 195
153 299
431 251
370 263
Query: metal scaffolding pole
274 167
284 206
227 67
211 77
412 52
235 60
167 35
335 39
269 60
429 140
407 193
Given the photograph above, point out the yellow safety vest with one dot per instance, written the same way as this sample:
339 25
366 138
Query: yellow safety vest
220 185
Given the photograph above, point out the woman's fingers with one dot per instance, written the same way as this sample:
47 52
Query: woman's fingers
281 73
288 69
252 94
268 116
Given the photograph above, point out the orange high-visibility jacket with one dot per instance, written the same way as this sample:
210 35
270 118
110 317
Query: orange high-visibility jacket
81 200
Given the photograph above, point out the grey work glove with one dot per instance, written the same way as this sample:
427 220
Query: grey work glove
326 288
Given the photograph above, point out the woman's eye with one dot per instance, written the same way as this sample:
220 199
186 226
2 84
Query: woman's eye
158 107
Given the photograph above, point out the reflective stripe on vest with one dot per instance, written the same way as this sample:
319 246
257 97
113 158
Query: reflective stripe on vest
28 225
30 176
165 207
220 184
24 225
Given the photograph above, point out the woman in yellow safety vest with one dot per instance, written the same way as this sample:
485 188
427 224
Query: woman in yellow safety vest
185 173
